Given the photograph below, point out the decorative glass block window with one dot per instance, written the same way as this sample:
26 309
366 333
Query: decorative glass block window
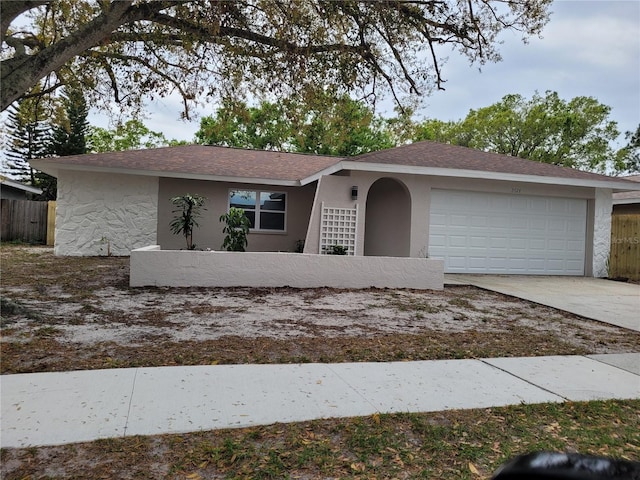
338 227
266 210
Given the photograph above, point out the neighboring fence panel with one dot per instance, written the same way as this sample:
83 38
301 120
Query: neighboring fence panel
51 222
625 247
23 220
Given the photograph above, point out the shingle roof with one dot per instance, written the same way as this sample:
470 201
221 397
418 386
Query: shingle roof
620 196
440 155
206 160
220 162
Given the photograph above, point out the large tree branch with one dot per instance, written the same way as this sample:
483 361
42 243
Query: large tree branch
251 36
258 44
144 62
20 74
11 9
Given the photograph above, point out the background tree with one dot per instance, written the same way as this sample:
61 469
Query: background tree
265 127
126 49
576 133
325 125
628 157
27 138
338 126
130 135
443 132
68 137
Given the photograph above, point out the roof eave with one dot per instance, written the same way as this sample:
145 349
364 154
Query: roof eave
626 201
7 182
330 170
480 174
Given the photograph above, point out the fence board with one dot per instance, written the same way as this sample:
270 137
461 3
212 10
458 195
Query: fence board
624 260
23 220
51 222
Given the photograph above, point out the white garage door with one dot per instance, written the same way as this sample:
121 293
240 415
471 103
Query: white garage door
478 232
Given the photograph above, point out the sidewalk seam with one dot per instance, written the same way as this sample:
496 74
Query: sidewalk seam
486 362
375 407
133 387
591 357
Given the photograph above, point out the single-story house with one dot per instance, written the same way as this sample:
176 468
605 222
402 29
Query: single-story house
479 212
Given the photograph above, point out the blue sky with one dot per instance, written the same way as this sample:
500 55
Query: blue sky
589 48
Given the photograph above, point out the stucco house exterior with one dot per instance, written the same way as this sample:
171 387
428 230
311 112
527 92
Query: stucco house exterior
479 212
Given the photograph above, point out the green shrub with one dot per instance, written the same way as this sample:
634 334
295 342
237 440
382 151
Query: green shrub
236 229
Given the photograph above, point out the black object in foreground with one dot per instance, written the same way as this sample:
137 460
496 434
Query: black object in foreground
567 466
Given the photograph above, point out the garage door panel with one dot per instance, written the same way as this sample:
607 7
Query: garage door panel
520 223
478 232
537 244
457 241
482 242
459 220
479 221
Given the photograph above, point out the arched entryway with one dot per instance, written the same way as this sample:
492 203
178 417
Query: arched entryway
388 219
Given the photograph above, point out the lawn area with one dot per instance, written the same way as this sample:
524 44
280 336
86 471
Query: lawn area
452 445
79 313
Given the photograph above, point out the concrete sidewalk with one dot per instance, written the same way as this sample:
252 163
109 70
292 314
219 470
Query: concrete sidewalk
67 407
603 300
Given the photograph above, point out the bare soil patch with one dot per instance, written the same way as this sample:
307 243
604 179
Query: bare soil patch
79 313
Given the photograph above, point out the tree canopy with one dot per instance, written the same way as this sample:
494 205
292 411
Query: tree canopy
577 133
329 126
124 50
130 135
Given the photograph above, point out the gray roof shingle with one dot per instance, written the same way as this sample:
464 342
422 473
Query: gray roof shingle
440 155
216 161
206 160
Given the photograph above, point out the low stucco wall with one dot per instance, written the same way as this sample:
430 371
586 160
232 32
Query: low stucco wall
151 266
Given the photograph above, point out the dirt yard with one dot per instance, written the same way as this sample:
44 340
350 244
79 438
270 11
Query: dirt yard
79 313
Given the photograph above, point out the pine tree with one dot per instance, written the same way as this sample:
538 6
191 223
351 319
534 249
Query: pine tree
68 137
28 138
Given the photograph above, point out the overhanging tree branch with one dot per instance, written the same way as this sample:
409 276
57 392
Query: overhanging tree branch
260 45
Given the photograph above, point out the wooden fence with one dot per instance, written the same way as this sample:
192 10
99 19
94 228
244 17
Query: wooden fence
27 221
624 260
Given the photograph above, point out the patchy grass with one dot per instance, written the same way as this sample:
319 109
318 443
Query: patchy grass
445 445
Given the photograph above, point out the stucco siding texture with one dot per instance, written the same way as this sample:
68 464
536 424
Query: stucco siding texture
602 232
105 214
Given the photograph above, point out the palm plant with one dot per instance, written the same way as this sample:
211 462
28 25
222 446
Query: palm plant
189 207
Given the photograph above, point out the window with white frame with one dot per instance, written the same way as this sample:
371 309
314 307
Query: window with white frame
266 210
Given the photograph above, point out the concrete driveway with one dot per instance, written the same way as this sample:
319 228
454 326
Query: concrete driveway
595 298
